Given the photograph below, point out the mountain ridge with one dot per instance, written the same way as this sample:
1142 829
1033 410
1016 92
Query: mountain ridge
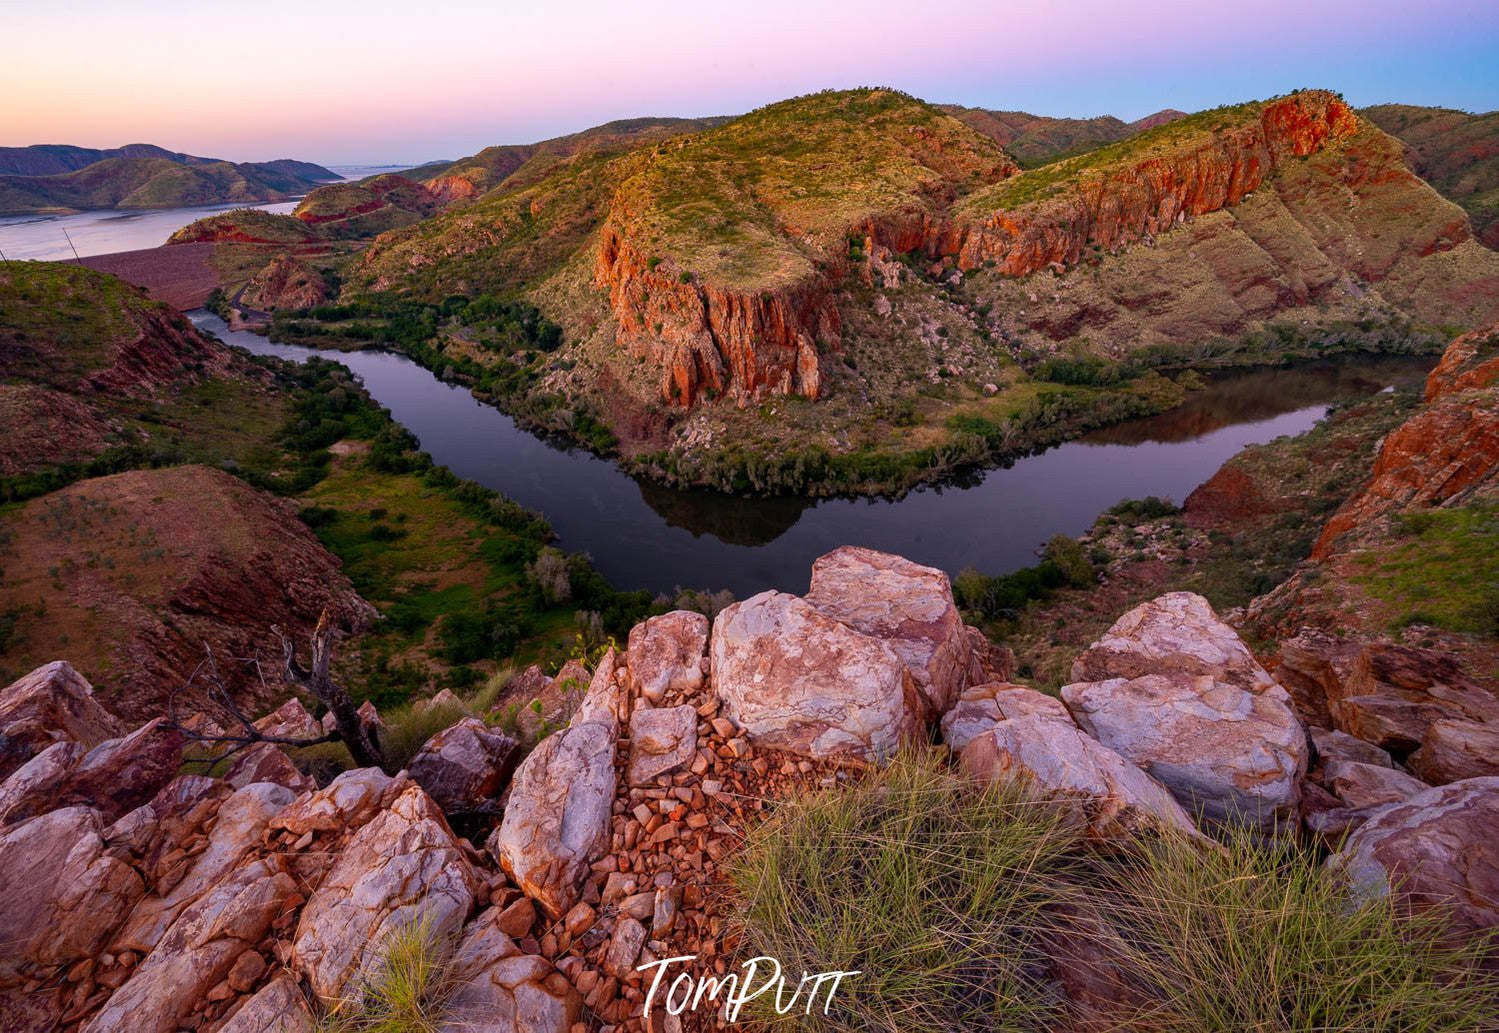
52 177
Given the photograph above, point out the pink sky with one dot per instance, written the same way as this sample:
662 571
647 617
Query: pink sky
346 81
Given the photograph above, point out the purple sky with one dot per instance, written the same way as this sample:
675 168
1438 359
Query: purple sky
352 81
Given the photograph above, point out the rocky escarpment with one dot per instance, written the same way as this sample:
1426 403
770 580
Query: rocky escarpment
1135 196
252 901
712 340
716 329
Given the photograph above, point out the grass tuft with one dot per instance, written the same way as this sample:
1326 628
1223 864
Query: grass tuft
955 902
406 991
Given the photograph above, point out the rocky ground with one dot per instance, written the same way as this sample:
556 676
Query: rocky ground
139 894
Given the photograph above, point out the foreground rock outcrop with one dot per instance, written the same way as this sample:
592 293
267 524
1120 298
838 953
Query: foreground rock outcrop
138 897
1176 692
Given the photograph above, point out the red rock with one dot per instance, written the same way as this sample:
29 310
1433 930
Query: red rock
54 703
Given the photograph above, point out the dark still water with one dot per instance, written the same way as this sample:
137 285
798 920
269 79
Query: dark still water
641 535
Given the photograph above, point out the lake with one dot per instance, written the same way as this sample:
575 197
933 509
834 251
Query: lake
103 233
643 535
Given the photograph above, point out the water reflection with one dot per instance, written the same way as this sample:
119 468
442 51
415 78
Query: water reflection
642 535
1247 396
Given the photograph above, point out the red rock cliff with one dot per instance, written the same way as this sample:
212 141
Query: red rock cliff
748 344
706 338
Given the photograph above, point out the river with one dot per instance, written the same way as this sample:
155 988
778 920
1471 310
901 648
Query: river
642 535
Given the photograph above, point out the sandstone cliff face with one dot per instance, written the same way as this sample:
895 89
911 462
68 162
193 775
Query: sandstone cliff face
705 338
1133 201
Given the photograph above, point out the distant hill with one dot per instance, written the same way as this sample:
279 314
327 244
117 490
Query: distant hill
1455 152
1037 139
50 177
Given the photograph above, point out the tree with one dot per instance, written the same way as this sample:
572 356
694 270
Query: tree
361 739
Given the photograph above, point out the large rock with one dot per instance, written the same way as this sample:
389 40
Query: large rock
238 828
799 680
1177 632
114 777
405 865
502 989
464 768
1178 694
264 762
62 891
1100 790
348 802
121 774
1361 785
908 606
1227 754
33 788
557 818
666 655
198 950
1394 694
1454 750
54 703
981 707
662 739
278 1007
1438 847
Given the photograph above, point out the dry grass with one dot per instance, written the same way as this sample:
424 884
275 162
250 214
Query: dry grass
945 895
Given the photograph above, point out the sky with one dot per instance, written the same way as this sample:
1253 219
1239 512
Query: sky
370 81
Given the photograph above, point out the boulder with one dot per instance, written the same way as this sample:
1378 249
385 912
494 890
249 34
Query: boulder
1172 688
1101 791
1175 633
121 774
1370 785
796 679
906 605
465 767
278 1007
1452 750
1311 666
662 739
1228 754
405 865
666 655
1332 745
54 703
290 721
981 707
239 827
557 818
1394 693
64 891
990 662
33 788
1438 848
502 989
114 777
264 762
347 802
198 951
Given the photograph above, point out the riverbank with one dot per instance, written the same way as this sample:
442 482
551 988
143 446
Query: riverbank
642 534
848 443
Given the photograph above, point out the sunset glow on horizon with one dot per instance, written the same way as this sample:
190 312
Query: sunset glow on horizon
347 82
